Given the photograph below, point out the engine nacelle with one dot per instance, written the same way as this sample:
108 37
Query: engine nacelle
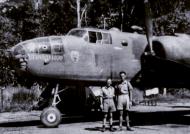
170 66
174 48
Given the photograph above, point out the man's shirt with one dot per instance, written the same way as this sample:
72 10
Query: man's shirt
108 92
124 87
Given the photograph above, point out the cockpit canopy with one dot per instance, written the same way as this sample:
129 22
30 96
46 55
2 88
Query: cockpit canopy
55 44
92 35
77 32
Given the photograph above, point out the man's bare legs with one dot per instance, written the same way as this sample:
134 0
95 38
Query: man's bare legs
104 122
111 122
126 120
120 119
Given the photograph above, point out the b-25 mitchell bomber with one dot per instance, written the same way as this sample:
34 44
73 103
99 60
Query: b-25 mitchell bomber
89 56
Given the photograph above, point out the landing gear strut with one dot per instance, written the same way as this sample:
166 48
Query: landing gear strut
51 116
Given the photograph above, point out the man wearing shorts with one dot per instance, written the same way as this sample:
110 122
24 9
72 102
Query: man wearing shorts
107 103
124 100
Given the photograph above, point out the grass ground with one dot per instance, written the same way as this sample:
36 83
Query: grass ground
22 99
17 98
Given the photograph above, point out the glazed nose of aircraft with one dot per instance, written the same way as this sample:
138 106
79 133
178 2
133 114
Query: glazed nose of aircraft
18 50
18 54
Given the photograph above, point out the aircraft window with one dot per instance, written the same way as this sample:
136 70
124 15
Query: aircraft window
92 37
78 33
45 48
99 37
56 39
19 50
57 49
57 45
42 39
106 38
31 47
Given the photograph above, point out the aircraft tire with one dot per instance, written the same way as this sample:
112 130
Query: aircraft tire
50 117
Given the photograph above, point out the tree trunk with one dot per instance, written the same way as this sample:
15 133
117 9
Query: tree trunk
78 14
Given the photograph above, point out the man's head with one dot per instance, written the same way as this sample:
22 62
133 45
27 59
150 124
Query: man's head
123 75
109 82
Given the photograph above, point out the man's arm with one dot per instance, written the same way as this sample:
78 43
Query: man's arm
113 91
130 90
101 99
101 102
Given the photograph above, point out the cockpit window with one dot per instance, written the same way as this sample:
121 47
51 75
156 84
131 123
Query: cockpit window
92 37
106 38
99 37
77 33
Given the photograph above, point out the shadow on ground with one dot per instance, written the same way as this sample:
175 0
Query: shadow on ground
137 119
160 118
66 119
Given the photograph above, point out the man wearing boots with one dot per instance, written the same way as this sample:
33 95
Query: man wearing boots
107 103
124 100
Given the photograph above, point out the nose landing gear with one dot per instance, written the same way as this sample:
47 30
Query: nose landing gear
51 116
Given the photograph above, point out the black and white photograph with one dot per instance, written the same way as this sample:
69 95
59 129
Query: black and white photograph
94 66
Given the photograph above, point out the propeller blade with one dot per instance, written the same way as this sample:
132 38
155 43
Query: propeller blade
148 25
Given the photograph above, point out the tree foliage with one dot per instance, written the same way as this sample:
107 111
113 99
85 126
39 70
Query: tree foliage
21 20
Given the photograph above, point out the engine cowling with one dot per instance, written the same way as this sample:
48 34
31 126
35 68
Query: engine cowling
174 48
169 66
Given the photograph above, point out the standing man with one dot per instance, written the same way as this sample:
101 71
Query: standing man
124 100
107 103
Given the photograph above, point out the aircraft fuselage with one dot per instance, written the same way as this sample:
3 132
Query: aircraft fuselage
83 54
